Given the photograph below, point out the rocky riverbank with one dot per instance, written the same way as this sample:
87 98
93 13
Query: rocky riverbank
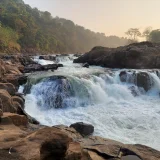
22 138
144 55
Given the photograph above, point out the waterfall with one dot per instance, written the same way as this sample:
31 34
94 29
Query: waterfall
122 104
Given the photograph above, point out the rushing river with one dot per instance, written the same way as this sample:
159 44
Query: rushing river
95 95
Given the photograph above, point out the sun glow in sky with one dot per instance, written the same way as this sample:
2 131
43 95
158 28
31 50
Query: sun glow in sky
112 17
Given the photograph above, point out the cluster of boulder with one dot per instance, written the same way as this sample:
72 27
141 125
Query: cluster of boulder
144 55
140 79
10 76
26 64
22 138
12 69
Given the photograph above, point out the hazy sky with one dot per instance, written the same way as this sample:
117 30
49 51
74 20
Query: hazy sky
112 17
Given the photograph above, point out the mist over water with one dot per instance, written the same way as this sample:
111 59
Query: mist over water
96 95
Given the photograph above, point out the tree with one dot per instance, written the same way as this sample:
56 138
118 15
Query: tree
28 28
154 36
133 33
147 32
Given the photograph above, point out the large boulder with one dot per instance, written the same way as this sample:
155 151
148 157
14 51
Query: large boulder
83 128
48 57
22 79
18 100
13 104
52 66
26 60
13 79
33 67
140 79
8 87
17 120
138 55
7 105
54 144
86 65
144 81
12 69
39 67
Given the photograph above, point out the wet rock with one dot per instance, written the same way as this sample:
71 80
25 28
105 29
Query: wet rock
134 91
52 78
60 92
144 81
140 79
33 67
22 80
123 76
78 55
86 65
38 67
41 57
52 66
83 128
26 60
48 57
60 65
30 119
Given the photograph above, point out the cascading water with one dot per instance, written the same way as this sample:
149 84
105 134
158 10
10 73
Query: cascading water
123 111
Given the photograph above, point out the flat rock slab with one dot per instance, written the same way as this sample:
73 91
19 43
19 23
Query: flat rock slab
130 157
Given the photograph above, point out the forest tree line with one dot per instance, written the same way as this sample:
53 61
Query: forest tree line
29 30
148 34
25 29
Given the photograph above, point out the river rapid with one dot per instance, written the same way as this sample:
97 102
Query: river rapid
95 95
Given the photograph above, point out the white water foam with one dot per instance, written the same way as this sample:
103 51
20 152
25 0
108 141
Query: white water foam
102 100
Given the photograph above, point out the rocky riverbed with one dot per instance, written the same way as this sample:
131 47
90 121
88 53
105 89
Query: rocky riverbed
23 138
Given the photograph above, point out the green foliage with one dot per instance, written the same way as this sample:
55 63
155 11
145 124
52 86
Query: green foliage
8 40
39 31
154 36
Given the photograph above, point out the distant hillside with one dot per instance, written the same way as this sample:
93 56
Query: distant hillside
26 29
